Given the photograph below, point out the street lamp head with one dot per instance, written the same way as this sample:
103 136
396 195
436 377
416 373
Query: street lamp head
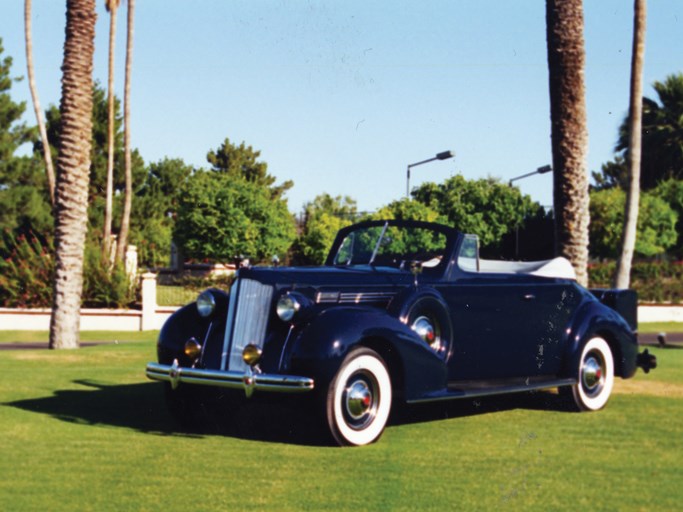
445 155
544 169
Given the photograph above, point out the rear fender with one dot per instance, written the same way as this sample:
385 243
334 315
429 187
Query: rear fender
595 319
319 349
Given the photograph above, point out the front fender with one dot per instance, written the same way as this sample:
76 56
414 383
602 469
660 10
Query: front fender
320 347
595 319
186 323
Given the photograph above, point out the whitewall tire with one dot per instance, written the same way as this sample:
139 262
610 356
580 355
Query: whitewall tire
595 376
358 399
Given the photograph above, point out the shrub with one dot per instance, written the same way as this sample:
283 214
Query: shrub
105 286
27 269
658 281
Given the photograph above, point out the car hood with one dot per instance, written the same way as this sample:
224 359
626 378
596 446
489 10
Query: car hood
328 276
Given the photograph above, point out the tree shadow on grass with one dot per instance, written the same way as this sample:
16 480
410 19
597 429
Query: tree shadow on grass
141 407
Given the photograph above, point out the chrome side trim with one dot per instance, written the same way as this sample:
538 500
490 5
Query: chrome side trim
456 394
365 297
329 297
176 375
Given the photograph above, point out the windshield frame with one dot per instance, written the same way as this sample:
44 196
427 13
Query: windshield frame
451 236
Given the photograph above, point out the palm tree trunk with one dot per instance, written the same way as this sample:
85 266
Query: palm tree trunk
569 135
128 195
47 155
112 7
73 172
628 241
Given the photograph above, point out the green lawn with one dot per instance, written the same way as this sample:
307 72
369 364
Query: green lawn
175 295
84 430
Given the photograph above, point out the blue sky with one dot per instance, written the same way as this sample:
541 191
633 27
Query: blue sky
340 96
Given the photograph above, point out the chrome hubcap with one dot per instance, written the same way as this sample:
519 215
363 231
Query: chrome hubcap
360 401
426 330
592 374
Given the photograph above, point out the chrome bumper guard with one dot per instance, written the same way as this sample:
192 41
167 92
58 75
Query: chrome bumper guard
249 380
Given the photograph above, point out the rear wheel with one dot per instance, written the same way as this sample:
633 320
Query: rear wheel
358 400
595 376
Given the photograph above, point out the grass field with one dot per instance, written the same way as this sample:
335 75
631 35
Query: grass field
84 430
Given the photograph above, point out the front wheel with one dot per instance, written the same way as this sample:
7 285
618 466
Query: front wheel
595 376
359 399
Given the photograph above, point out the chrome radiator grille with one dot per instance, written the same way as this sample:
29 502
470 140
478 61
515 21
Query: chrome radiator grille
247 320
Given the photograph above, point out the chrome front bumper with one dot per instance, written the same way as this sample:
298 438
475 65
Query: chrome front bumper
248 380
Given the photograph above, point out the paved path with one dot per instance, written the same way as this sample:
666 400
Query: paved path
672 338
44 345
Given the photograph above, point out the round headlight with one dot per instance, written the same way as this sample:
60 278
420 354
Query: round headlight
251 354
287 307
192 349
205 304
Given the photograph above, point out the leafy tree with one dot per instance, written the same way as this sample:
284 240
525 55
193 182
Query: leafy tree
155 210
344 207
485 207
671 191
241 162
569 136
656 224
322 218
221 216
24 197
312 246
415 242
408 209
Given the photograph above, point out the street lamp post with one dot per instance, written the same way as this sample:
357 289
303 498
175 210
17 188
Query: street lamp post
541 170
444 155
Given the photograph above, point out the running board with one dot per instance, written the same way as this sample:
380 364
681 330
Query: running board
473 389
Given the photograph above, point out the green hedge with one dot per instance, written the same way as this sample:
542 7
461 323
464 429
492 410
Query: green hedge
27 266
659 281
183 290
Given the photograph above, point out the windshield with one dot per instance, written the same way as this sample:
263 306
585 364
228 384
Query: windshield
392 246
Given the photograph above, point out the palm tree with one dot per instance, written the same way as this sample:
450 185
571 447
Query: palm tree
662 134
569 136
47 155
628 239
73 172
112 7
128 195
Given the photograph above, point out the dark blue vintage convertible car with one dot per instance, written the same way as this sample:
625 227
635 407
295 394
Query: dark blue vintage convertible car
401 312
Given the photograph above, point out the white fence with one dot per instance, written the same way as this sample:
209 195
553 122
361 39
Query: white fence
150 317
